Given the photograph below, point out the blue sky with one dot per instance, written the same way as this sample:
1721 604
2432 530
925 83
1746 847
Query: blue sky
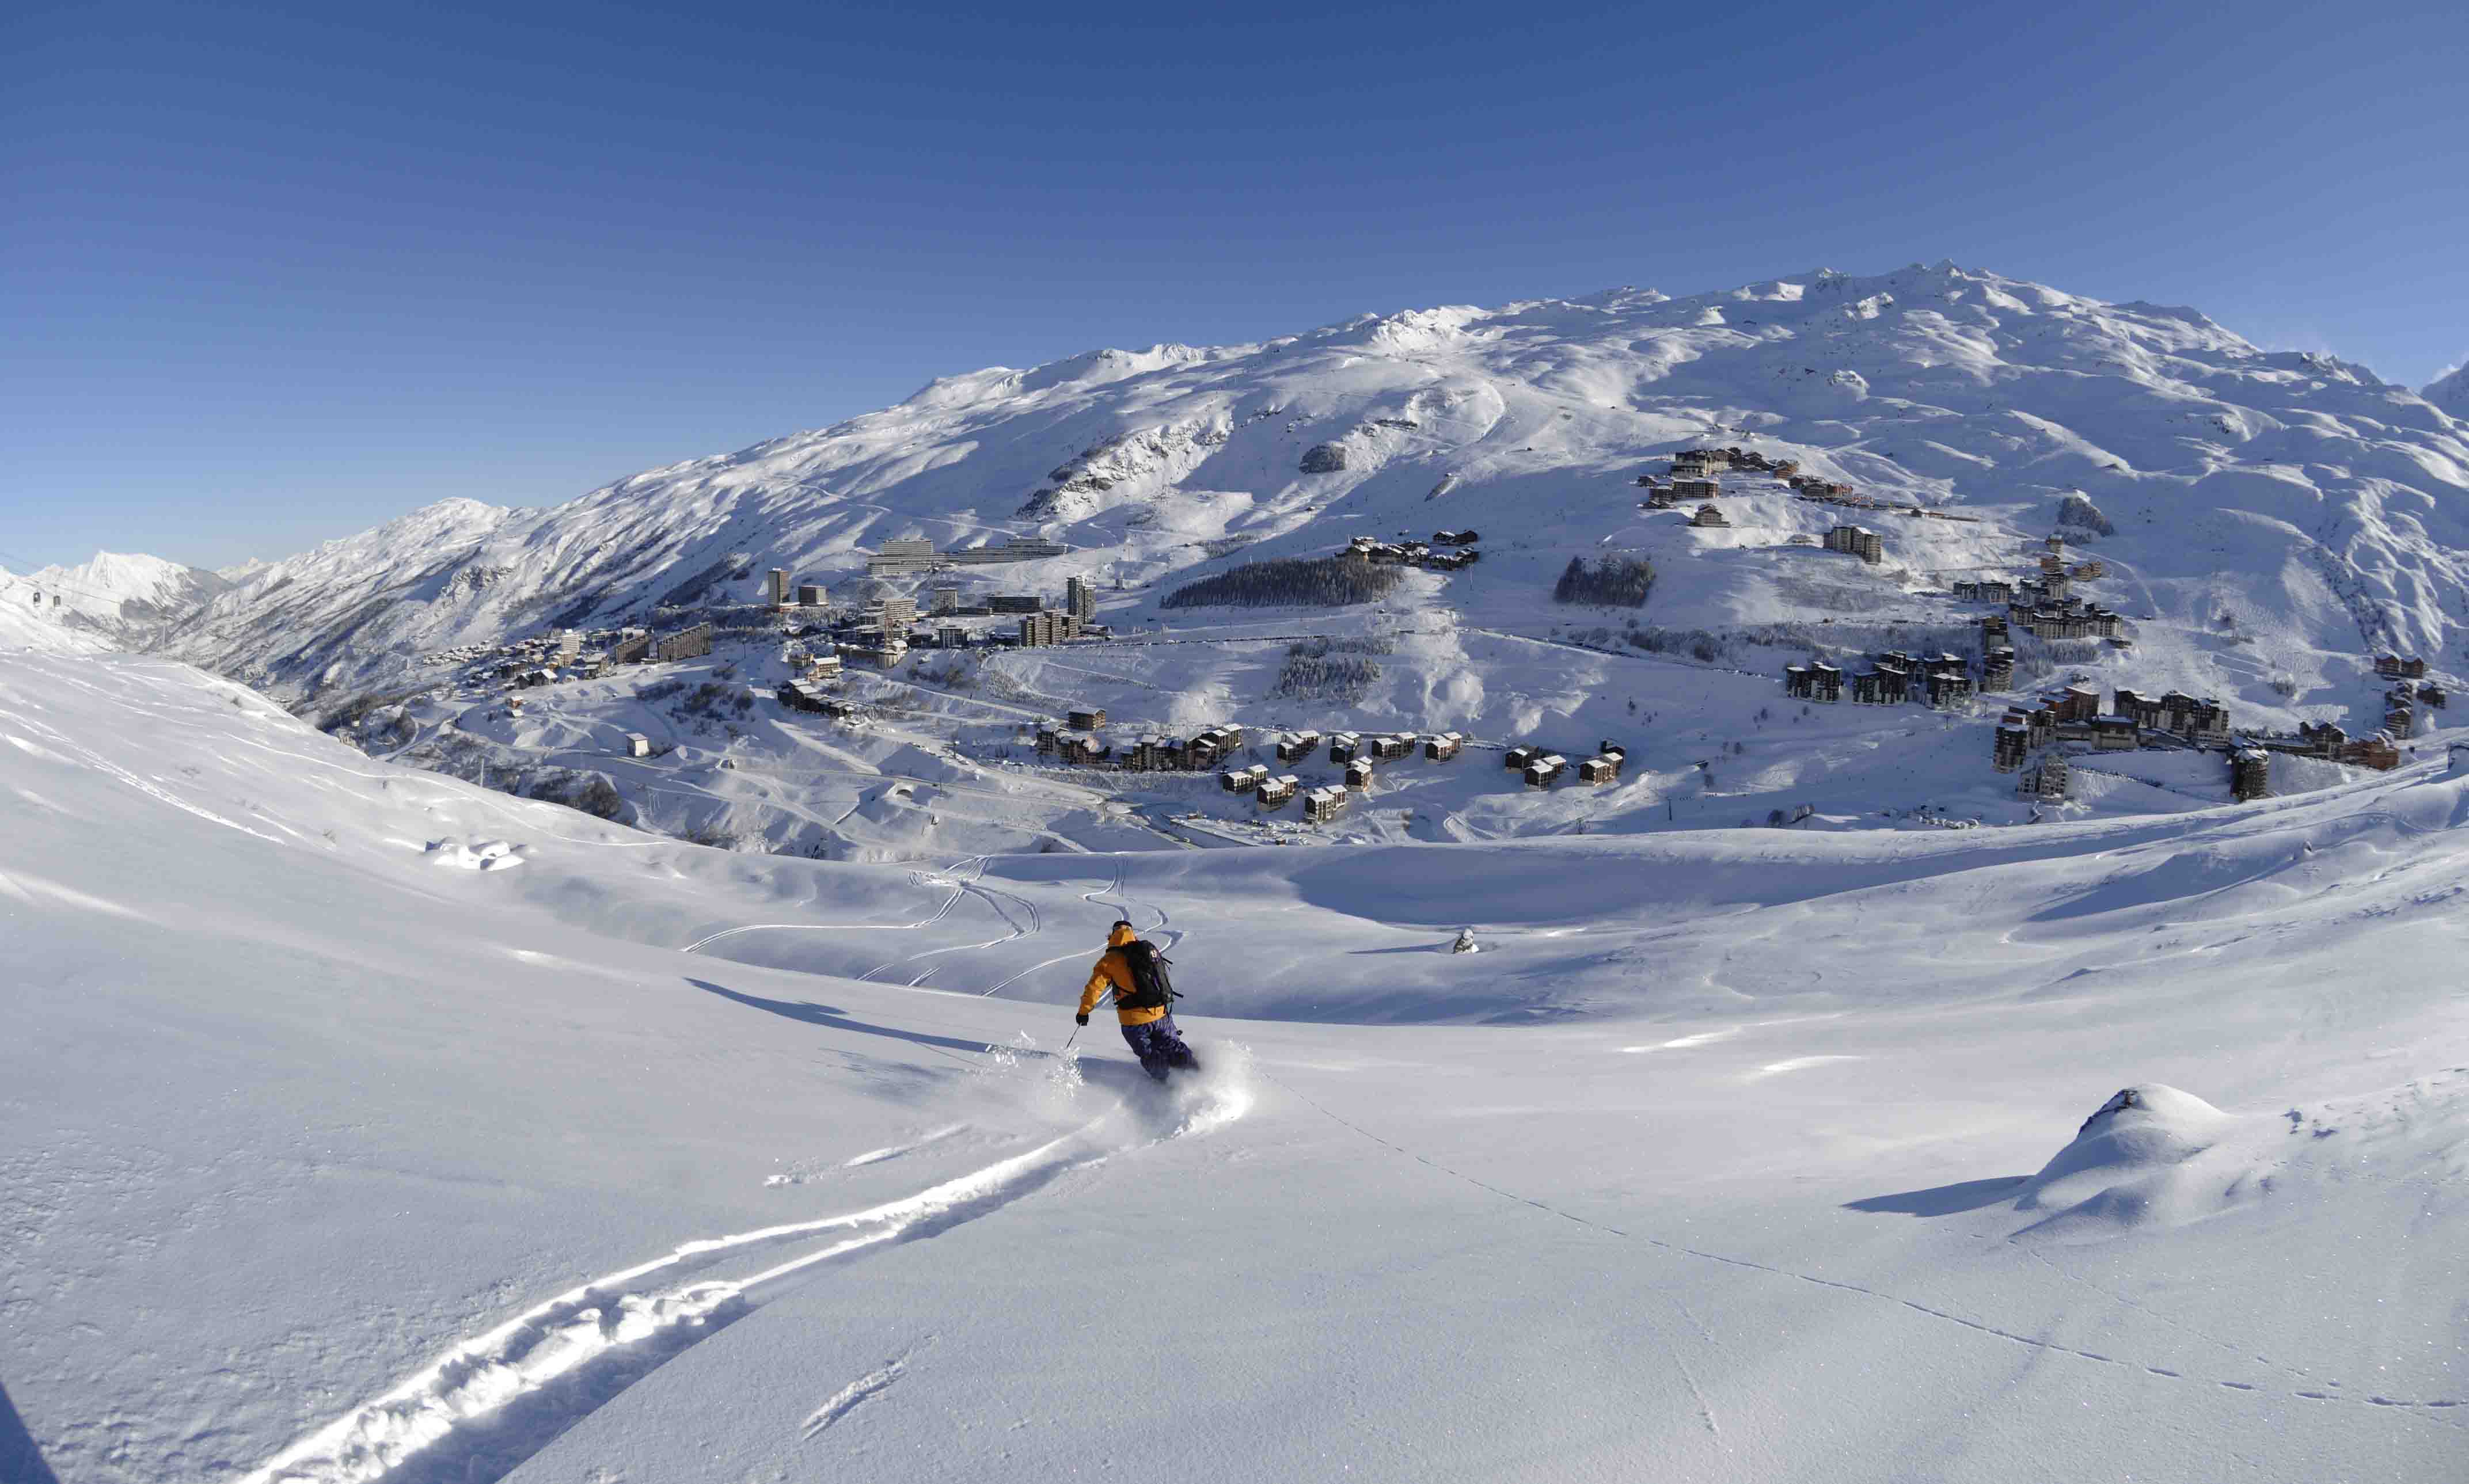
273 274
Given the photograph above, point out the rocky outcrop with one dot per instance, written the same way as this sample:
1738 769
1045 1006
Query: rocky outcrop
2079 516
1324 459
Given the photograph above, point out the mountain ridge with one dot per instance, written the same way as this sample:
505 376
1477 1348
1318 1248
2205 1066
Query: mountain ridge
1936 385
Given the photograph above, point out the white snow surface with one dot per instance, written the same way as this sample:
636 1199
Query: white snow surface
334 1152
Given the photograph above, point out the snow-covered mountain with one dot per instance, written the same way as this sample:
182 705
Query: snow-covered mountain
2294 489
2451 393
124 597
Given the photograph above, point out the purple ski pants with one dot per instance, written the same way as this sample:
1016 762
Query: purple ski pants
1160 1045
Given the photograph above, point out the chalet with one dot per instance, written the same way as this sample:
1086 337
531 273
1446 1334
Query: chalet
799 695
1243 780
1701 461
1608 749
1358 773
1784 469
1088 720
2249 774
637 745
2115 734
2085 571
821 668
2054 543
2432 696
1323 803
1546 770
1345 747
1296 746
1277 792
1708 516
1858 540
1696 490
1599 770
2377 752
1515 758
2052 564
1456 538
2400 720
1443 747
2326 741
2400 667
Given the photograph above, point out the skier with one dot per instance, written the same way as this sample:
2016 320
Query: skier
1134 972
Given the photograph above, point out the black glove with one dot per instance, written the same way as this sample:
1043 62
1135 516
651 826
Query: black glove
1079 1019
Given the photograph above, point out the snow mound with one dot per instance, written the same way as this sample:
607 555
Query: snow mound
2138 1161
478 855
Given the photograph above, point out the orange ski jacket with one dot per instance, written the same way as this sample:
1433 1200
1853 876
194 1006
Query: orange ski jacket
1113 971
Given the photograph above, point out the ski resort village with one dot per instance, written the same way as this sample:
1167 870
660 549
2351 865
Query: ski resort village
1851 877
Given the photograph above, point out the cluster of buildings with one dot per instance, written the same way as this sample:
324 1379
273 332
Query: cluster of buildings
1358 755
1859 542
547 658
1892 677
1448 551
2075 716
2043 604
641 646
895 559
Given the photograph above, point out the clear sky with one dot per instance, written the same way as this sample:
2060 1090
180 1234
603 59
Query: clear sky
271 274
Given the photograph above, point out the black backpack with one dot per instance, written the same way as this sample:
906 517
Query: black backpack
1151 989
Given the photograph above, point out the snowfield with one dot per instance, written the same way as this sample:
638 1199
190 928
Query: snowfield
366 1124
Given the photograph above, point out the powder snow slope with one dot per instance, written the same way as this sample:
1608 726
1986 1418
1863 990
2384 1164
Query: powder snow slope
2300 491
366 1125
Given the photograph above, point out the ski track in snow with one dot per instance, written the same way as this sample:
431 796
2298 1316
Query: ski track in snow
848 1397
489 1403
2428 1408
